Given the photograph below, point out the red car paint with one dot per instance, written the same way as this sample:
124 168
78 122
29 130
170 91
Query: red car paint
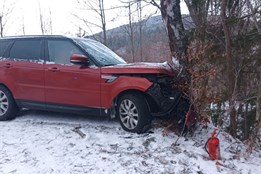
139 68
49 82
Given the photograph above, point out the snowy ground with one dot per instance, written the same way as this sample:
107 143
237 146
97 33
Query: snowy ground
44 142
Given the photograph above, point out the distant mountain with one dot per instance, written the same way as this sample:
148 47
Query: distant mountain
154 43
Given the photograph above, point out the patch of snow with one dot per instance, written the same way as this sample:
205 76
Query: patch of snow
44 142
49 62
175 62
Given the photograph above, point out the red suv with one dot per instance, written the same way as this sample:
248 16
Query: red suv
79 75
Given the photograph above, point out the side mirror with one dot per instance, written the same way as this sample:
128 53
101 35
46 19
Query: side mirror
79 59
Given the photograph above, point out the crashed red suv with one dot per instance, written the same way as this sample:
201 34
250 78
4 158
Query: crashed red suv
79 75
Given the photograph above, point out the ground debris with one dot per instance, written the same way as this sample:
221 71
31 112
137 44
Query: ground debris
78 131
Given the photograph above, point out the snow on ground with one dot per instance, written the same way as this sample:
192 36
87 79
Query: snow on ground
45 143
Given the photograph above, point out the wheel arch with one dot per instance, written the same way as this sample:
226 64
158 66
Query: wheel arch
149 99
10 108
5 86
2 84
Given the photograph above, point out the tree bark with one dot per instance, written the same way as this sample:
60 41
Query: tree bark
246 127
178 42
253 15
139 10
229 68
198 11
131 32
1 26
103 21
258 98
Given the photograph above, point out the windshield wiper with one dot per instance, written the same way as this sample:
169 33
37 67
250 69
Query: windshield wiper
110 64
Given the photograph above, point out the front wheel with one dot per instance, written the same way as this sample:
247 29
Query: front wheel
8 107
133 113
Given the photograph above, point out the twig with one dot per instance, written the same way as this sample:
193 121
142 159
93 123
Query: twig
78 131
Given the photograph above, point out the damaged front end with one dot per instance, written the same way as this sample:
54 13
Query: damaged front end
165 100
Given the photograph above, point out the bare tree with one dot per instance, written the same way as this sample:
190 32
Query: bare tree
129 29
50 25
229 68
45 20
96 6
253 12
258 98
5 12
134 29
42 24
199 12
141 23
1 26
23 25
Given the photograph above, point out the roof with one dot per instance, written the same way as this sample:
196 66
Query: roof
34 36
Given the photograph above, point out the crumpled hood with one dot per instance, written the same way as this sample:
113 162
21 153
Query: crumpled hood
138 68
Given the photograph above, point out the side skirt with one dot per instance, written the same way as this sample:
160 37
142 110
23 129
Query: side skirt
60 108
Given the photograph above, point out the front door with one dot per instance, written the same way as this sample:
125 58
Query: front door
68 84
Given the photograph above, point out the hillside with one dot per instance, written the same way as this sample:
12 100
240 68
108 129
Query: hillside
154 47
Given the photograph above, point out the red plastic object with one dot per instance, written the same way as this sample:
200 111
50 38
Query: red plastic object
213 147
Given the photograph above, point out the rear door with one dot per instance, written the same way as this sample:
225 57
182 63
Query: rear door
66 83
24 70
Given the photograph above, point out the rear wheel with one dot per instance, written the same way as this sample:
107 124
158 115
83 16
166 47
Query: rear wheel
8 107
133 113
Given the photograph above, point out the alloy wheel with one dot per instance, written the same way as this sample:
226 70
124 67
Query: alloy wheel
3 103
128 114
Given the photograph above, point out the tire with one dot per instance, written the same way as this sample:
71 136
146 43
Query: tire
133 113
8 107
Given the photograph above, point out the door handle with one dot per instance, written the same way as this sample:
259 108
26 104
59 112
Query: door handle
53 69
8 65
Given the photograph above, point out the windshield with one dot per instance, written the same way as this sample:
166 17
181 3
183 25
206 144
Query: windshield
100 52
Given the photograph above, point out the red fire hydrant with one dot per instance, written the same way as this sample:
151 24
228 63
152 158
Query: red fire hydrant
212 146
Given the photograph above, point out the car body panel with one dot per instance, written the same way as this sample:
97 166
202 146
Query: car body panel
110 91
72 84
24 78
138 68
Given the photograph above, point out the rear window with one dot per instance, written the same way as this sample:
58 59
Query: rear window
26 49
3 46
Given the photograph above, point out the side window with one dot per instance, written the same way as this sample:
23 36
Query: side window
26 49
3 46
61 51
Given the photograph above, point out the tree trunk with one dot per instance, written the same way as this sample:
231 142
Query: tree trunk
103 21
42 24
198 11
178 42
1 26
253 15
229 68
246 127
139 9
131 32
258 98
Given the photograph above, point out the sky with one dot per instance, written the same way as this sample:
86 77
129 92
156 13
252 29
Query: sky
25 16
